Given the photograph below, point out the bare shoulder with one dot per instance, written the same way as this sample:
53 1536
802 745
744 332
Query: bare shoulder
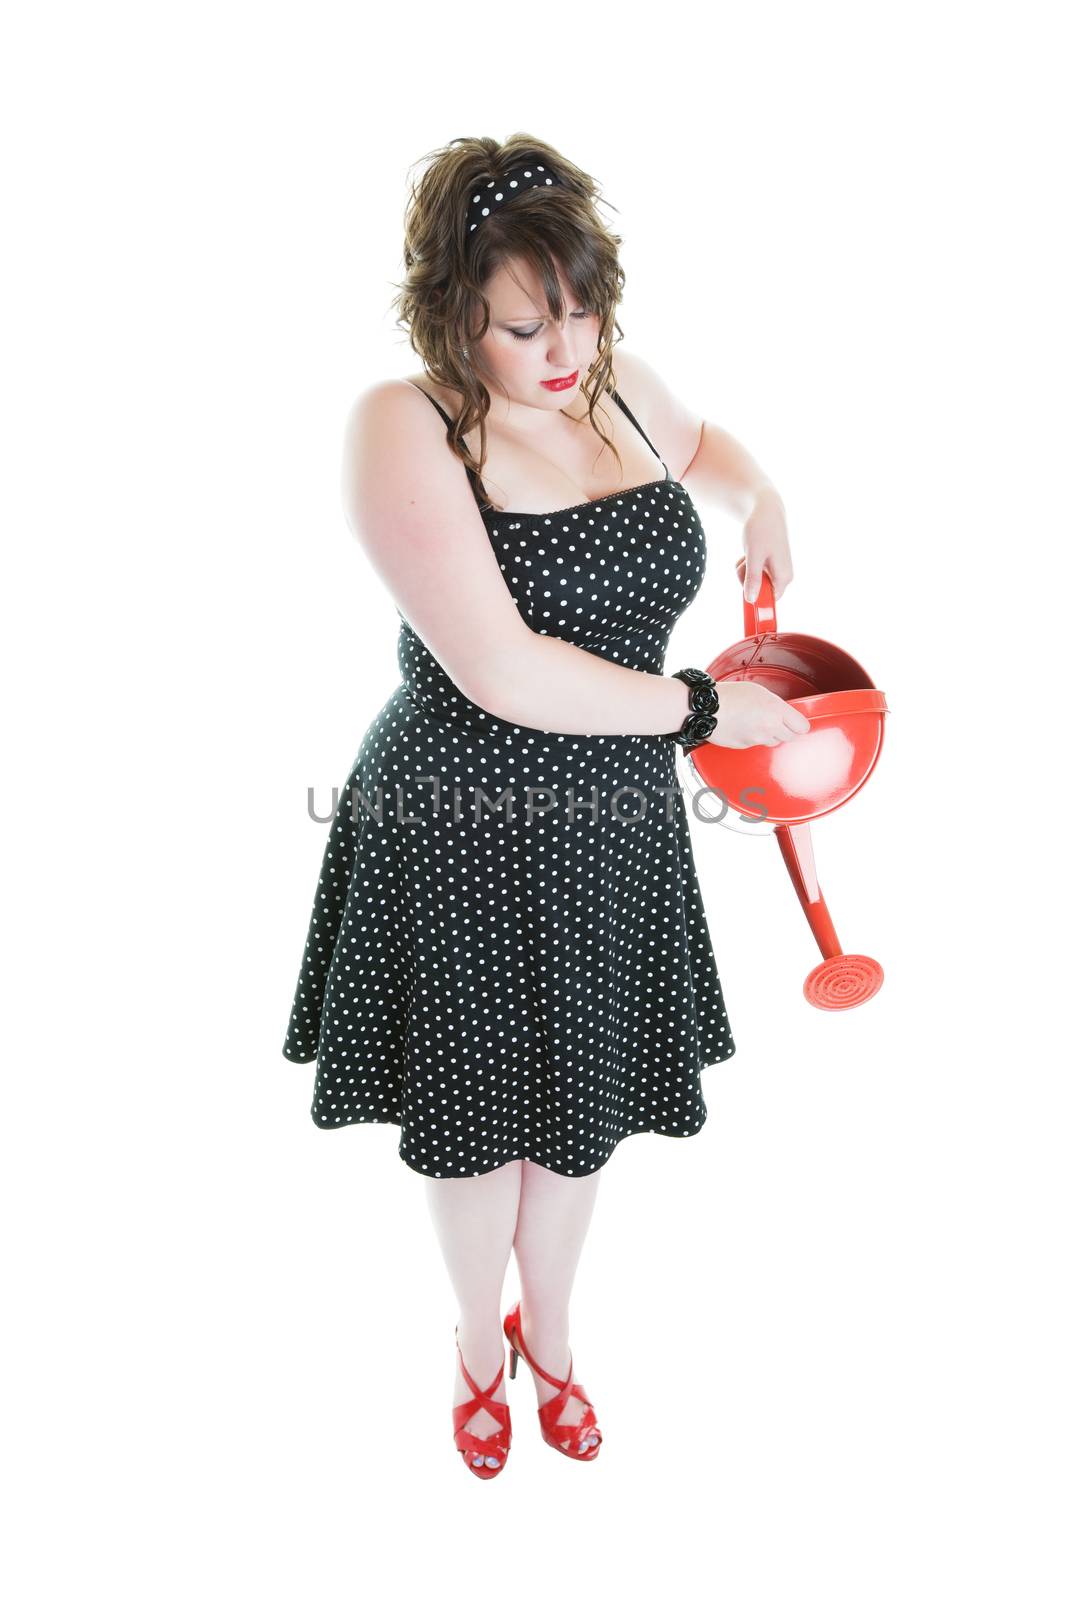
446 397
392 395
395 451
673 425
392 415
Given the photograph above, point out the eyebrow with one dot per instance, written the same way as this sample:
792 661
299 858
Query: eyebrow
538 317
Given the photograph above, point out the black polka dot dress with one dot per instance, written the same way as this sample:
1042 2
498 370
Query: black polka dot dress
508 954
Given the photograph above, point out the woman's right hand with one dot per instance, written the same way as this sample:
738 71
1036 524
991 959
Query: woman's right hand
750 714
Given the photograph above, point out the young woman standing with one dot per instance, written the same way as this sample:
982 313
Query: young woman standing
509 956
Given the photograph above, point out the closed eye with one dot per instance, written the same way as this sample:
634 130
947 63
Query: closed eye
532 334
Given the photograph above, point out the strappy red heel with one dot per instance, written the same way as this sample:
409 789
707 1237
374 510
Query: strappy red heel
569 1438
478 1452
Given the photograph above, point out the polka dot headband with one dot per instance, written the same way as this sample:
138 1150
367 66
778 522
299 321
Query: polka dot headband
492 195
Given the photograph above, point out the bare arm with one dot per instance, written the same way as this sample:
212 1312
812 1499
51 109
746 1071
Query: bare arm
723 472
720 470
408 501
570 690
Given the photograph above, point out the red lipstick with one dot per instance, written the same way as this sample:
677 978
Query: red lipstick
560 383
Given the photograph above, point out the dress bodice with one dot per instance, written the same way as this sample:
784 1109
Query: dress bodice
610 575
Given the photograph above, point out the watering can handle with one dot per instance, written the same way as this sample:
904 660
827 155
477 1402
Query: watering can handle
760 616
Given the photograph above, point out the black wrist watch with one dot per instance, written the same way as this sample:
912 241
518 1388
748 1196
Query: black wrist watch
701 721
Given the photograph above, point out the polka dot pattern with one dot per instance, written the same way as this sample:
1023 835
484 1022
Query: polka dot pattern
492 196
535 981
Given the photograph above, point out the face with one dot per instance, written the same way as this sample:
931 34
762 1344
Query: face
523 348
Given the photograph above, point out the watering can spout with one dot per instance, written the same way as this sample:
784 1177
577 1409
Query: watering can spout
839 981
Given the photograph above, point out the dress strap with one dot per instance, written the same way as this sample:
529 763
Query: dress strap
471 474
430 398
619 401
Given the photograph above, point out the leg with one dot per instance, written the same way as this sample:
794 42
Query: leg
554 1216
475 1222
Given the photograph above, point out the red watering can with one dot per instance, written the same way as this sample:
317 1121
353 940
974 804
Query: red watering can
787 785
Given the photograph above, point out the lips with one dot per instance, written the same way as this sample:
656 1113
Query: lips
560 383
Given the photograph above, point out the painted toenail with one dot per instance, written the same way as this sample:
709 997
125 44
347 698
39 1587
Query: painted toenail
491 1461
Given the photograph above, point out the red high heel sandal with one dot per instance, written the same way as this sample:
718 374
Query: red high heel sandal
566 1437
478 1452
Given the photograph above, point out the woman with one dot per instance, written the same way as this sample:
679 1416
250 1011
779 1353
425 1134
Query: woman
508 954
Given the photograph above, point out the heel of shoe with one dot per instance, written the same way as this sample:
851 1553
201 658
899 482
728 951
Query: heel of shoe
510 1319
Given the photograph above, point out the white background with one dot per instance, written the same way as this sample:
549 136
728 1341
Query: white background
824 1337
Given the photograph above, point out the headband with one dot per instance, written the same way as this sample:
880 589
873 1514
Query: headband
497 192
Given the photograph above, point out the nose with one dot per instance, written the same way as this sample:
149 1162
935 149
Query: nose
562 348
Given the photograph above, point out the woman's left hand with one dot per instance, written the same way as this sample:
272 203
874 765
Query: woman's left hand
766 545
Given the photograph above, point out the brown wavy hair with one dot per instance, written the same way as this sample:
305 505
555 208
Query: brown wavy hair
441 302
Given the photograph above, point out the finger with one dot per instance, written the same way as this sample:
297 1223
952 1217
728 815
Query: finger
780 577
753 580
